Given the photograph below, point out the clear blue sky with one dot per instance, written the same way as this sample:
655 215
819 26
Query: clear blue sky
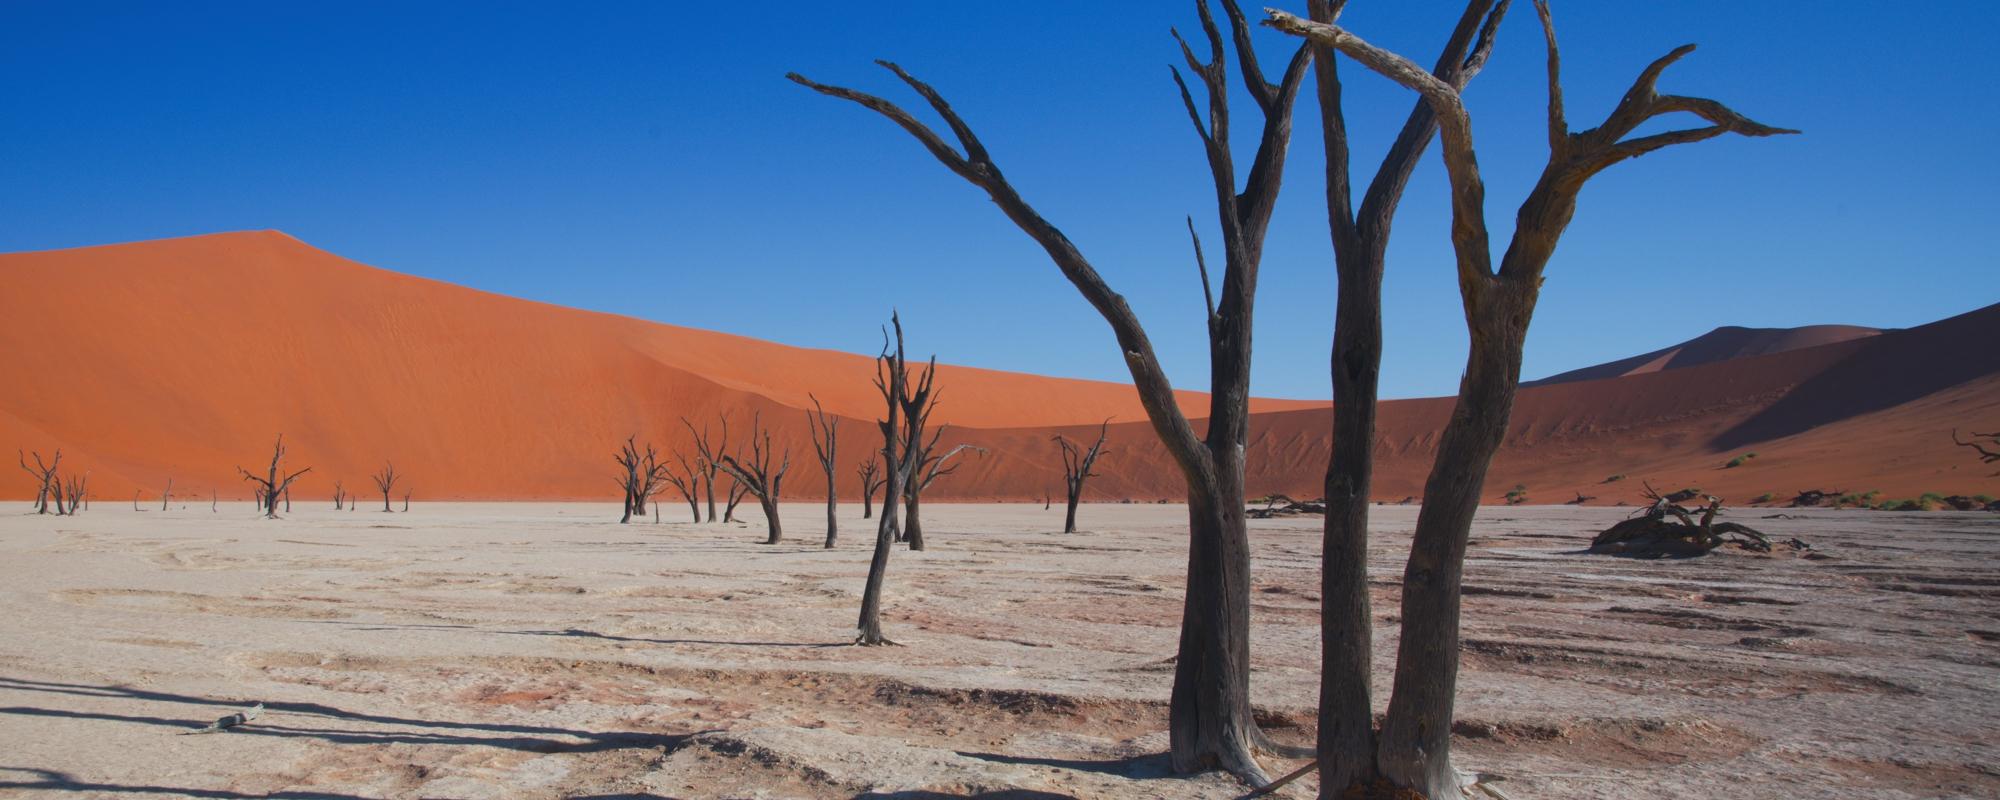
650 159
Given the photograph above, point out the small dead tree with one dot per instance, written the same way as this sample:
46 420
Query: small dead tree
168 495
339 496
643 476
758 477
76 488
736 492
274 481
45 477
892 378
826 437
1077 464
386 481
928 468
688 481
288 500
1412 749
871 482
710 454
406 500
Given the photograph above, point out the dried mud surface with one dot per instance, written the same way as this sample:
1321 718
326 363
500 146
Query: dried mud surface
536 650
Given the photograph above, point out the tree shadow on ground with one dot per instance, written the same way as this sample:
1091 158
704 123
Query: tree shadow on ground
582 633
1155 765
533 738
51 780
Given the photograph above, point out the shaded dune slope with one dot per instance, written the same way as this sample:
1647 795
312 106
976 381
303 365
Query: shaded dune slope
181 358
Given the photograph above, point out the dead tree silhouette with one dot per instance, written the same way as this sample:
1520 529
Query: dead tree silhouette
759 478
1077 464
274 481
892 379
826 439
386 481
45 477
1211 722
1411 749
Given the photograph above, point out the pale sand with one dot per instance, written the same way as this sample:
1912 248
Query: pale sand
503 650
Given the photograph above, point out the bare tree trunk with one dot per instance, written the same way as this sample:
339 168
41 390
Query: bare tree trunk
274 482
759 478
1211 722
913 526
167 495
1413 748
826 441
385 481
892 378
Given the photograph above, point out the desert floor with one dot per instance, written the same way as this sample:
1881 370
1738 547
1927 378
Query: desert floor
540 650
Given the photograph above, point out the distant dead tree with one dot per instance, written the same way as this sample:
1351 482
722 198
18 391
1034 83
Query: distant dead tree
892 378
386 481
1211 721
1411 751
826 438
1077 465
214 504
1979 443
136 493
710 453
758 477
643 476
75 489
406 500
736 492
339 496
288 499
928 468
168 495
688 481
274 481
871 480
45 477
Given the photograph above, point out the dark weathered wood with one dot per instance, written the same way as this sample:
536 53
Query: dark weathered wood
1211 724
736 492
826 441
641 475
1078 461
928 469
1413 749
168 495
385 481
871 482
274 482
45 476
892 379
758 477
688 481
710 458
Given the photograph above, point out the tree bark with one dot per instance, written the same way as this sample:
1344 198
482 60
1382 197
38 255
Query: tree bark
1413 746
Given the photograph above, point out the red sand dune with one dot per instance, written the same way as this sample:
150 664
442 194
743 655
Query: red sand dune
183 358
1721 344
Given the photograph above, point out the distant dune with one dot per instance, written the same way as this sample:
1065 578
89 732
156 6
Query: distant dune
182 358
1720 344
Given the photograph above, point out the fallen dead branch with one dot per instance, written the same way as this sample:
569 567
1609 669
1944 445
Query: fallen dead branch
1666 529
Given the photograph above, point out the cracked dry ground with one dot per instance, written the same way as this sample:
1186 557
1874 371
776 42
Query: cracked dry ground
536 650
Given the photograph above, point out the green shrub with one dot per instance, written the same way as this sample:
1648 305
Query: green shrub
1764 498
1518 495
1739 460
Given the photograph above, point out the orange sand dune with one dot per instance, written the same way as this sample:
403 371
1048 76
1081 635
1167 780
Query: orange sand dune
183 358
1720 344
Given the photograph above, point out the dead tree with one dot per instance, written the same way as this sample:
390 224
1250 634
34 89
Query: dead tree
214 504
75 489
1985 456
871 480
274 481
45 477
892 379
1211 723
758 477
1077 463
406 500
1654 535
710 454
642 476
385 481
826 436
288 500
736 492
1412 748
136 493
688 481
928 468
339 496
168 495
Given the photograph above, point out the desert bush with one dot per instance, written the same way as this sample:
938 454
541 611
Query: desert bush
1615 478
1739 460
1517 495
1764 498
